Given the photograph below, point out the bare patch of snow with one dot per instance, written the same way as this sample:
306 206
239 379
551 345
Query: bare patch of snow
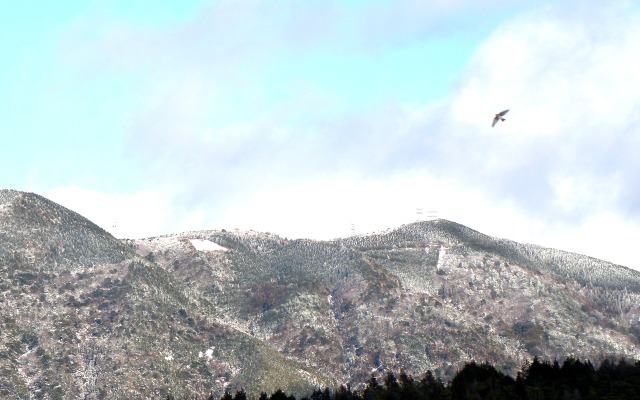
207 245
208 353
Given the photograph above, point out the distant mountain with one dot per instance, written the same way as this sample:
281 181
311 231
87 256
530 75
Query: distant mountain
84 314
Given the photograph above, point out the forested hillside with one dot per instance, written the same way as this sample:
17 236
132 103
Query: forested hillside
83 314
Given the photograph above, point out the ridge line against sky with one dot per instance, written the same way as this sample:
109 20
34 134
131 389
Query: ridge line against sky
311 119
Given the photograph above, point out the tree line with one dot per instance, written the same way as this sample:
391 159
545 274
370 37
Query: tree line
537 380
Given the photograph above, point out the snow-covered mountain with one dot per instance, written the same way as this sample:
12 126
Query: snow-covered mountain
198 312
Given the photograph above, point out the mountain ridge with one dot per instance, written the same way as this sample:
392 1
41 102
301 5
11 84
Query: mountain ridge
83 312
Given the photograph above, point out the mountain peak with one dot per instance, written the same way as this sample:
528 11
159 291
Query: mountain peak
45 233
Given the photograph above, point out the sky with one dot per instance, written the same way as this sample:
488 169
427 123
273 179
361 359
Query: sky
321 119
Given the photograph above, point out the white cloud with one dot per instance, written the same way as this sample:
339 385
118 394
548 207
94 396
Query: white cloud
124 215
604 235
559 172
329 208
558 76
562 157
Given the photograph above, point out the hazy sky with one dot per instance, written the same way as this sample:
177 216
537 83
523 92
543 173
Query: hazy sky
316 118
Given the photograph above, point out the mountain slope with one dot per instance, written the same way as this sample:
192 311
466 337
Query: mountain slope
83 314
41 233
429 295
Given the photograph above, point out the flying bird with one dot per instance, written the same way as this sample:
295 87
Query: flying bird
498 117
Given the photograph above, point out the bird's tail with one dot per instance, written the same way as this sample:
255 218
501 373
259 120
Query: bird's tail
502 119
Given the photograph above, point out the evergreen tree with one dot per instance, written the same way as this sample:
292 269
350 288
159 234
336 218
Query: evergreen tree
431 387
520 389
408 387
481 382
577 377
373 389
345 393
240 395
280 395
541 380
316 395
620 381
391 387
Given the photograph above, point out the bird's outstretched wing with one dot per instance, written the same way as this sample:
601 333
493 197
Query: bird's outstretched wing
498 117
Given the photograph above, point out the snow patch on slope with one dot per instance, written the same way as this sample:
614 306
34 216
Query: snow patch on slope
206 245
